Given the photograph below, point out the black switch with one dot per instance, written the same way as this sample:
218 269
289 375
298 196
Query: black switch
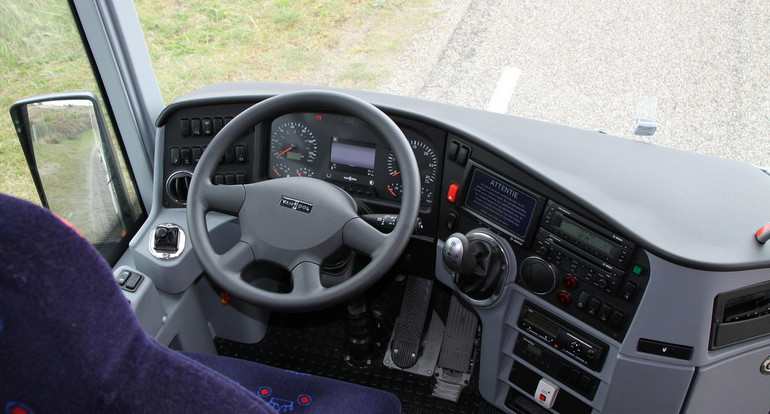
451 153
230 155
240 153
186 155
649 346
463 154
451 220
616 319
133 281
208 127
585 383
218 124
175 160
196 154
196 127
593 306
604 313
574 376
219 179
240 178
629 291
184 127
582 302
122 277
229 179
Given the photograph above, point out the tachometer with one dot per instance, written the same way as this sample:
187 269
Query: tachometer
293 150
427 161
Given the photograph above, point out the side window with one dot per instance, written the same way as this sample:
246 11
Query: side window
68 156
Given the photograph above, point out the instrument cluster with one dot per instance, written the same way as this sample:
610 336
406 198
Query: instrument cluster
347 151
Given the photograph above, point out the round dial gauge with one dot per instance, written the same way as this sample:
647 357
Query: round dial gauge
427 160
293 148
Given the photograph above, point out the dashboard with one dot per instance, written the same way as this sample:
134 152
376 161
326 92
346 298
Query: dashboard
344 150
617 291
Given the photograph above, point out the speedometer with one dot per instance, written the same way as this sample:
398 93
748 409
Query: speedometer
427 161
293 150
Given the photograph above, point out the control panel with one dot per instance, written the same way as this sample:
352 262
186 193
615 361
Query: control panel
562 337
187 135
589 272
550 363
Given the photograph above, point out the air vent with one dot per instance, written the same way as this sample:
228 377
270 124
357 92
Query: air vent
177 186
741 315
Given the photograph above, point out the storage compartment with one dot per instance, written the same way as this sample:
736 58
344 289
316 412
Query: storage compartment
741 315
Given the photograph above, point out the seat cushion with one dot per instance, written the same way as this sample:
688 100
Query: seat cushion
289 391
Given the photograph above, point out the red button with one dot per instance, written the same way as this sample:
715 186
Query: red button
542 397
451 194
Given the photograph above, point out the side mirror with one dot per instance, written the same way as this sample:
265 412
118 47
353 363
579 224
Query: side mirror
74 165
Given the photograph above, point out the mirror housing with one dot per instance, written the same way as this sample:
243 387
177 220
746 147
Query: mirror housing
74 164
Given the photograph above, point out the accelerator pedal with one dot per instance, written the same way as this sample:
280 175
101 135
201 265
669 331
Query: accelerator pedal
407 334
454 369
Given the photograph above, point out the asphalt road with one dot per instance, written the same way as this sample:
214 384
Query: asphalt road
699 70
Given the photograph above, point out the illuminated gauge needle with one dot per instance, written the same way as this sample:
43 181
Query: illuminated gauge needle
284 151
395 174
298 173
393 193
276 171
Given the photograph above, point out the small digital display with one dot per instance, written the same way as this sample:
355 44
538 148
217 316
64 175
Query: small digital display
534 350
353 154
585 236
501 203
535 320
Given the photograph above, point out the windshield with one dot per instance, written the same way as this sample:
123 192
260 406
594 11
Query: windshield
697 73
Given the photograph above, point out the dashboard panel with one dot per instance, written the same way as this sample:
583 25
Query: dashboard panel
610 266
331 147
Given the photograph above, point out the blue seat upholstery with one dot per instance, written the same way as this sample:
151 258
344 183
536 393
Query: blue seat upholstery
69 342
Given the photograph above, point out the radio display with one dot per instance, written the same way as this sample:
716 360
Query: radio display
500 202
585 236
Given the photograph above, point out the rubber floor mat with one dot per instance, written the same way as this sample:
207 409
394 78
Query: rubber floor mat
314 344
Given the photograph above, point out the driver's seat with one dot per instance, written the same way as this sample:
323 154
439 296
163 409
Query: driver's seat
69 342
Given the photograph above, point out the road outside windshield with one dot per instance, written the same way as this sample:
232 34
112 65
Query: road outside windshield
698 71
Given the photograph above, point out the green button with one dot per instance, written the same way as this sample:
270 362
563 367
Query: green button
638 270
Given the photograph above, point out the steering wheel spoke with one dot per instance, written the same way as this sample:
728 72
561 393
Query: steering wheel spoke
236 259
363 237
226 199
306 279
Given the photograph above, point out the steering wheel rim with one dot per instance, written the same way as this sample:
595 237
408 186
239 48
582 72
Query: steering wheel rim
273 219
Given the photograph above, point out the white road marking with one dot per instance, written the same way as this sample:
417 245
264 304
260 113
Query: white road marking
503 93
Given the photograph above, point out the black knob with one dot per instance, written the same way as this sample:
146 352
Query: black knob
162 235
537 275
166 239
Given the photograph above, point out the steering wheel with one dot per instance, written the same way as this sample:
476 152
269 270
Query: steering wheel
295 223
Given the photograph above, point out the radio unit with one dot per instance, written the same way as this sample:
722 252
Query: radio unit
598 242
562 337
